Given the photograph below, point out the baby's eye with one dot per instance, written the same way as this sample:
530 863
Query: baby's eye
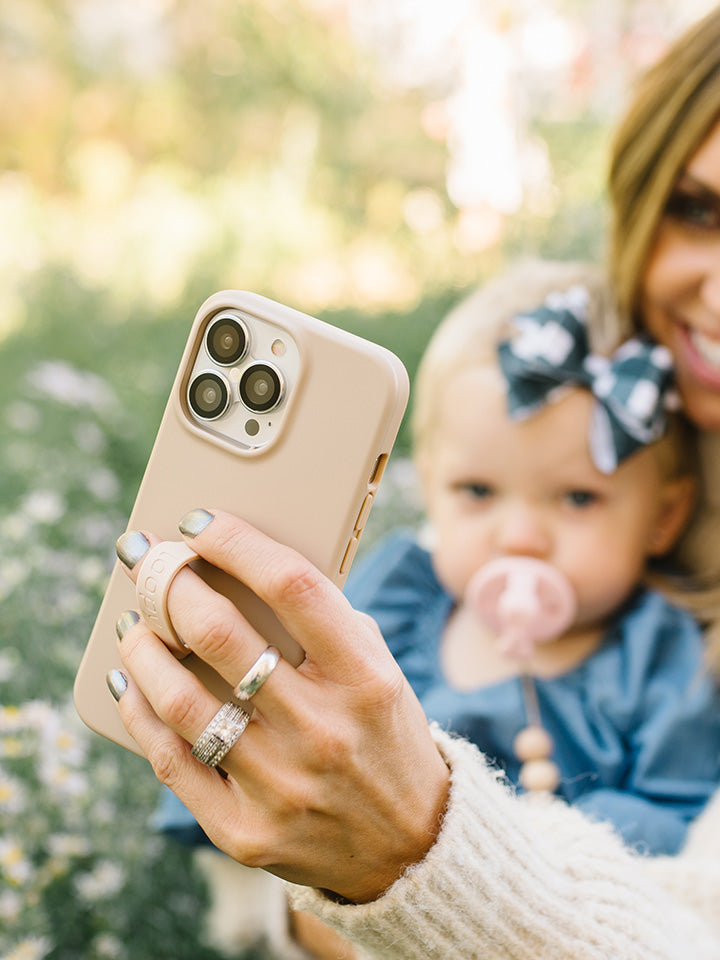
693 210
580 498
478 491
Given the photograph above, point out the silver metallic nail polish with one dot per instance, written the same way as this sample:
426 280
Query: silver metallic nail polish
132 547
117 683
195 522
125 621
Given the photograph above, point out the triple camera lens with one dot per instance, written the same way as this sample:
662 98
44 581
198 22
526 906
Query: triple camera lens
226 340
210 394
261 387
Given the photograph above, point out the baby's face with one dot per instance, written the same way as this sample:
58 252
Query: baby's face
496 487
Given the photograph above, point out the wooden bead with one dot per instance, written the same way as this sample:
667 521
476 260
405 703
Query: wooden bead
539 775
533 743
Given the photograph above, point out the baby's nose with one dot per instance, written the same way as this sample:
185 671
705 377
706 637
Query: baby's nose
523 532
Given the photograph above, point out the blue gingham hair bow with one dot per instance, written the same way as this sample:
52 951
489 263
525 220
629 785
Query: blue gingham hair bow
633 388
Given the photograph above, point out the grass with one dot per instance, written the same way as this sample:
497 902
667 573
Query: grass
83 876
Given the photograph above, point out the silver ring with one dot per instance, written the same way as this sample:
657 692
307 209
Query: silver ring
221 734
257 674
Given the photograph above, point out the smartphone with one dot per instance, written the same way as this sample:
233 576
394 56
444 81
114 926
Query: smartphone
279 418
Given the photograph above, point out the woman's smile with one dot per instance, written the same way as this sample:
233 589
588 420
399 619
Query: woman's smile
703 355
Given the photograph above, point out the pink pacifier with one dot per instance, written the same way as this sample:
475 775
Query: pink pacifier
524 600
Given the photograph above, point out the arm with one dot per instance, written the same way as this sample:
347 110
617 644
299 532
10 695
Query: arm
516 879
338 784
336 781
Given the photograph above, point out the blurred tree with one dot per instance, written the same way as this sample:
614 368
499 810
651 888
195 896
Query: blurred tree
332 153
360 159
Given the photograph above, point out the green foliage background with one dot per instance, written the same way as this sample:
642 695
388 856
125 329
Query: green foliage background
151 153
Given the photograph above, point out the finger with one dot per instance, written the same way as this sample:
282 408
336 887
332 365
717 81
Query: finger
308 604
214 802
176 695
166 709
250 828
213 627
182 702
131 547
209 623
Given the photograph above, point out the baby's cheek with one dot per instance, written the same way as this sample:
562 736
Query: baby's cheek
452 569
601 594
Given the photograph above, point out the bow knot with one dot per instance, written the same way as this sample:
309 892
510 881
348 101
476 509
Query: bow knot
551 351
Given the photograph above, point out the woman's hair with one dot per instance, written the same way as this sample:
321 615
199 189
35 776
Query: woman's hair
675 105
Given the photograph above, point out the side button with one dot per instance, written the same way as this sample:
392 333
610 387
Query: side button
349 555
364 511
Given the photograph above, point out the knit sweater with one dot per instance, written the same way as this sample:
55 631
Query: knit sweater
513 878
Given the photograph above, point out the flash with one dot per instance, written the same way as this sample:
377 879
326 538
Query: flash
278 348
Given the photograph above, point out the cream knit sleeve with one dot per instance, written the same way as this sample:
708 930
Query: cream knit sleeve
512 879
693 877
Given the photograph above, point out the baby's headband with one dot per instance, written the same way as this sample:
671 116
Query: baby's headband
633 388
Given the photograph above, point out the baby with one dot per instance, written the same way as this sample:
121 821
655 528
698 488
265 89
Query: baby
534 444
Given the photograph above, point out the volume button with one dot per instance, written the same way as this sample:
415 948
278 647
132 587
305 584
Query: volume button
364 511
349 555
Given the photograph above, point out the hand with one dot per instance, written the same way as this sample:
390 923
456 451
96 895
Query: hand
336 783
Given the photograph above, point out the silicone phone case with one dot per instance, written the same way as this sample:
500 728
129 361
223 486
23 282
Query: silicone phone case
311 488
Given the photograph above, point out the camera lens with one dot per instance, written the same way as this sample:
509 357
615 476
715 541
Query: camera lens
209 396
261 388
226 339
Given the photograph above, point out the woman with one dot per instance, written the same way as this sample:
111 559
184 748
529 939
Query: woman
664 188
401 836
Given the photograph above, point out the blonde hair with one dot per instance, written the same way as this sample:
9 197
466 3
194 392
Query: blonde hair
469 334
675 105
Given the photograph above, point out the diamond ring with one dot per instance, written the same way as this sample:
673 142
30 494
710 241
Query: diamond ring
221 734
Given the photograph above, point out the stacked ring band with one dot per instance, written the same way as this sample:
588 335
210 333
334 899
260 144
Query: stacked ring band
257 674
221 734
228 724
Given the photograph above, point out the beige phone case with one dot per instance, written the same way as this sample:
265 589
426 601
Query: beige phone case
311 487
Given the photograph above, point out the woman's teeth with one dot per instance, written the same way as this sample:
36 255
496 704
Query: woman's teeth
708 349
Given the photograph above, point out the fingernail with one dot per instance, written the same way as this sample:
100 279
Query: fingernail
195 522
117 683
131 547
125 621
